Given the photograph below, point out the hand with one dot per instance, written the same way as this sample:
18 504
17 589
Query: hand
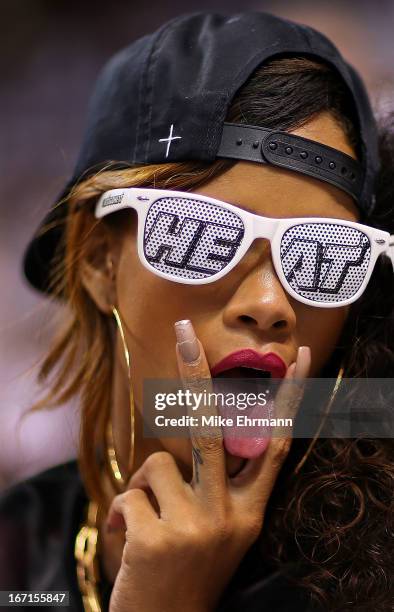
184 541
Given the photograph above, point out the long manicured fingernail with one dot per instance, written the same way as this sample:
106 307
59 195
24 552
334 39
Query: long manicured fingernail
188 346
303 362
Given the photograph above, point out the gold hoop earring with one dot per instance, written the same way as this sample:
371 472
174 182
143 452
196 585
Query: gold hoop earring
119 480
324 418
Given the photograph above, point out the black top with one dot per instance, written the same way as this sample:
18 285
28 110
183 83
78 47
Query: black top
40 518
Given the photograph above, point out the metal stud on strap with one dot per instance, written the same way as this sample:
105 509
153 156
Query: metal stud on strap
313 159
261 145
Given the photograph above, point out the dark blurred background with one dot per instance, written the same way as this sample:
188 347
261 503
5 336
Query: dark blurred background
50 54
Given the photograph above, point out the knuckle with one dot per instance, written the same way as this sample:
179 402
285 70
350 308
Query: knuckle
251 528
223 526
133 494
194 382
206 530
210 444
191 534
157 460
197 379
224 532
126 503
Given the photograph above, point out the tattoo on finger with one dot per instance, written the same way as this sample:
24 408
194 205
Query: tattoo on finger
197 461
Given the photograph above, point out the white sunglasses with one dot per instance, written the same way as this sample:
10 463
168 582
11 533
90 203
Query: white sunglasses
193 239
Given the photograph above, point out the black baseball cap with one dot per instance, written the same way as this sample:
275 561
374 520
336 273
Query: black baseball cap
165 98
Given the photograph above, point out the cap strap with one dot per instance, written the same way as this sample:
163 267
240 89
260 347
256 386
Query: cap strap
262 145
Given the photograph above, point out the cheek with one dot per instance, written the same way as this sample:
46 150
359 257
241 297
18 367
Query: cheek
320 328
150 306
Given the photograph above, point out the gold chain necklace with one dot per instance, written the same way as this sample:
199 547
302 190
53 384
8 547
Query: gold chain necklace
85 550
87 564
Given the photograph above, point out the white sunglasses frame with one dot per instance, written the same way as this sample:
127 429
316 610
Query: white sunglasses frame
256 226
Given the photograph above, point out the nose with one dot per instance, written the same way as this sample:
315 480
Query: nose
261 304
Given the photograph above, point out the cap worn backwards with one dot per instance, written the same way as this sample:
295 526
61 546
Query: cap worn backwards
172 90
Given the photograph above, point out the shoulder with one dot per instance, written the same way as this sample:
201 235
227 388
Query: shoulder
38 519
50 486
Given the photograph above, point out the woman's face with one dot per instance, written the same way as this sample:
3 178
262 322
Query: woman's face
248 308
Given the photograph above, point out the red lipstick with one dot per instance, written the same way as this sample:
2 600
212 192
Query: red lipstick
249 358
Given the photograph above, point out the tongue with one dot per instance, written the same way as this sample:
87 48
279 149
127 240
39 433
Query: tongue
248 448
247 441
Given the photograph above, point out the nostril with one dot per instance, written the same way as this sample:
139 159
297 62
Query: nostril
247 319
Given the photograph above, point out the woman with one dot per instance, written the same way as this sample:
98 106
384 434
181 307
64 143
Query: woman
192 524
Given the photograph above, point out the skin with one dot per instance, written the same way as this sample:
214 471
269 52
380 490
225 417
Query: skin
248 308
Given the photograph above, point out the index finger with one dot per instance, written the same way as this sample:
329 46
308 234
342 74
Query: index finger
209 468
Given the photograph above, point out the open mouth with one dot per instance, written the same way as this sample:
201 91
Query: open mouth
244 372
246 394
248 363
242 379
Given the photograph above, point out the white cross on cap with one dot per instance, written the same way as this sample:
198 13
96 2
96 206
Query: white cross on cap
169 139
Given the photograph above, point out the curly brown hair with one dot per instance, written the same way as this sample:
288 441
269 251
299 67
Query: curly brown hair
336 519
331 524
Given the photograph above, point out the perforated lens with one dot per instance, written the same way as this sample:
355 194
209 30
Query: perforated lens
325 262
191 239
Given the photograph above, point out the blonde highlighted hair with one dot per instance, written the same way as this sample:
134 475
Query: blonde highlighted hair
80 361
